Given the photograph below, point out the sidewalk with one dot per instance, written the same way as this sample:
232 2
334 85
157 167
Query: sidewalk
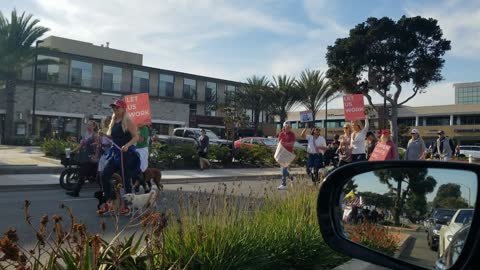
27 167
26 160
45 181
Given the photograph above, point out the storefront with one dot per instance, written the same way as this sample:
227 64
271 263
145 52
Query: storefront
60 127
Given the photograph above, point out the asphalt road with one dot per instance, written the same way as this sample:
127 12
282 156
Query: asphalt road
84 207
417 252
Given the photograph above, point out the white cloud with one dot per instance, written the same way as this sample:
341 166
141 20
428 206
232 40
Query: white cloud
459 20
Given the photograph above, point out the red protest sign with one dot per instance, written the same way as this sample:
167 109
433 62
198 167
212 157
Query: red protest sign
380 152
138 108
353 107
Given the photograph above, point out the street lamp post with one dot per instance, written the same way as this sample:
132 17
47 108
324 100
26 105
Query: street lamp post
385 110
35 72
326 117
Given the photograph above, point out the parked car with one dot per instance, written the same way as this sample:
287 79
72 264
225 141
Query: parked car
271 142
438 216
454 249
461 217
251 141
190 136
468 150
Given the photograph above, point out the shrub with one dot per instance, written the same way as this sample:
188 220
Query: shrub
55 148
373 236
301 157
219 152
401 153
170 155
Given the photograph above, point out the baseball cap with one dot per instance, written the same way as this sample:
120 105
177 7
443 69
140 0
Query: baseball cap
385 132
119 103
440 132
286 124
414 131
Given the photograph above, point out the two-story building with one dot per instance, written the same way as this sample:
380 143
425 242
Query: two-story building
84 79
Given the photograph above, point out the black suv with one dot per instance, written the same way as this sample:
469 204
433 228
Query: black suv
438 217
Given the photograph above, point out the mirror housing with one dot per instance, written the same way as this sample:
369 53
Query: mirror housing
329 207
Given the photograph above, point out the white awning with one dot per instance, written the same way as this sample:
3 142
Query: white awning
171 122
63 114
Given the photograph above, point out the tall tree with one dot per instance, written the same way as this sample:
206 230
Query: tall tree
404 182
17 37
381 55
284 96
254 95
315 90
449 196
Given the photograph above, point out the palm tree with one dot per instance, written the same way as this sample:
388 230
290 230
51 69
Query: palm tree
315 90
254 95
284 96
17 37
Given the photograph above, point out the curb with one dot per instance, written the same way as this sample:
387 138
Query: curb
15 188
29 169
403 245
49 160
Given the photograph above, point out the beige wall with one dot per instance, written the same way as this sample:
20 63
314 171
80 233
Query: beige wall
90 50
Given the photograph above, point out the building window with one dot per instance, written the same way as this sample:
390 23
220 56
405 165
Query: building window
48 72
229 94
58 127
165 85
112 78
141 81
211 92
210 99
335 123
469 119
189 89
81 73
193 109
438 121
161 129
409 122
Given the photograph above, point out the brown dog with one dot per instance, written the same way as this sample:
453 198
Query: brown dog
149 175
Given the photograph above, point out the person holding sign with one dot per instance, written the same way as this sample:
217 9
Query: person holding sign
358 141
286 139
386 139
316 148
123 132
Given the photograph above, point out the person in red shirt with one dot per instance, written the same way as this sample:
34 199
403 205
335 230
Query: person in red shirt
386 138
287 139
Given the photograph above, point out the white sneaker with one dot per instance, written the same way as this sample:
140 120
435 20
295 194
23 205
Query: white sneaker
282 187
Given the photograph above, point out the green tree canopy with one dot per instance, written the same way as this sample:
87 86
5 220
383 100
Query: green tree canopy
449 196
380 55
315 90
255 95
406 181
284 96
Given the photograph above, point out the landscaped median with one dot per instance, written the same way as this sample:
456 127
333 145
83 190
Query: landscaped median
208 230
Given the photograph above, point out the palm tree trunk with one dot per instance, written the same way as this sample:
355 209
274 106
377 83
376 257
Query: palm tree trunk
256 116
9 131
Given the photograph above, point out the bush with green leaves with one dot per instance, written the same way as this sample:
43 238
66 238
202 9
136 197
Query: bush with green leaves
219 152
301 157
56 148
169 155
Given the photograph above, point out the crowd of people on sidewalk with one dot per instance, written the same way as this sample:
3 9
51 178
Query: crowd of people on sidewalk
357 143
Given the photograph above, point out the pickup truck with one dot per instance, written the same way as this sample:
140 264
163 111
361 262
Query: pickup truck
190 136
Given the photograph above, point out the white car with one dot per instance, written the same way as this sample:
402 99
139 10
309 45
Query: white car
461 217
467 150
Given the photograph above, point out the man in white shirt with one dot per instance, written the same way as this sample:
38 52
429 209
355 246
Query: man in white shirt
316 148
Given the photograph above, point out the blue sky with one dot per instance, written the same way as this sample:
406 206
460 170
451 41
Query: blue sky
466 179
236 39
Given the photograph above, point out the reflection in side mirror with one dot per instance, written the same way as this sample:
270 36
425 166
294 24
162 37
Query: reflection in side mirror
380 210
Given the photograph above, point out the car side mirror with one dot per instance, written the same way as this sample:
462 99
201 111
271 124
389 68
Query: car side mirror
395 188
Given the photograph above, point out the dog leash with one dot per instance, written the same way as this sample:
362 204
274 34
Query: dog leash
121 165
